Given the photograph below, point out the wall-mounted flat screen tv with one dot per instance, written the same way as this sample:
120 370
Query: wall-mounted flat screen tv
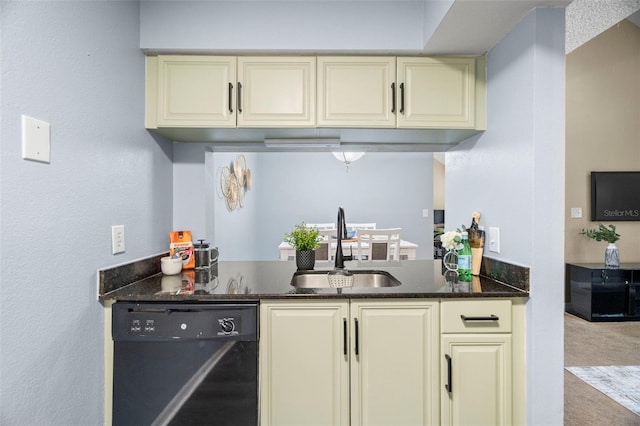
615 196
438 217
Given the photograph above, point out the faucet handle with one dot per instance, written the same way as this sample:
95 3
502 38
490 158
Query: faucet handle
350 257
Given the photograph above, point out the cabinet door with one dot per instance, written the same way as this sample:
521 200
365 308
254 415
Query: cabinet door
276 91
597 294
196 91
476 378
436 92
304 367
394 365
609 293
634 294
356 91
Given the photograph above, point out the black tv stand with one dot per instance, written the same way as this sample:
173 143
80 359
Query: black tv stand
595 293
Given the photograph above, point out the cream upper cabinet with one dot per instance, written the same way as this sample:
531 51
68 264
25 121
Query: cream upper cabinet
228 91
304 364
394 363
190 91
308 348
436 92
276 91
402 92
194 91
477 377
356 91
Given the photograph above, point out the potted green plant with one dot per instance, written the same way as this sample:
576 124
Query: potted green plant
608 234
305 241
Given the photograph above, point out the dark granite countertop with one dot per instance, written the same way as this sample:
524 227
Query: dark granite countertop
256 280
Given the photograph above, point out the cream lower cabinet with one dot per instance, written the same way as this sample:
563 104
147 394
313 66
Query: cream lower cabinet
308 348
304 366
477 368
394 365
479 389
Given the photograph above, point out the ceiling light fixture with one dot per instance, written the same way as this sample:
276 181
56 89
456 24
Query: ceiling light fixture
348 157
302 143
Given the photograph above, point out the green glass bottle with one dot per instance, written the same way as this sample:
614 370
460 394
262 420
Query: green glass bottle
464 259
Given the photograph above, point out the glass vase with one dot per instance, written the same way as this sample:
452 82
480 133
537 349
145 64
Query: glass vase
611 257
450 267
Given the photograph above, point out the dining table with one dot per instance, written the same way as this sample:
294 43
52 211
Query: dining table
407 249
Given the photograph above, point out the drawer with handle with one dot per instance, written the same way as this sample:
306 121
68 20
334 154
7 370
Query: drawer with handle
476 316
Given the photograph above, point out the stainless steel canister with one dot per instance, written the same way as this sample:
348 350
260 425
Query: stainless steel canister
206 275
205 254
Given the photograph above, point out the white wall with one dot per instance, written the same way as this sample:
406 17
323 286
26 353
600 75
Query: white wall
514 175
78 66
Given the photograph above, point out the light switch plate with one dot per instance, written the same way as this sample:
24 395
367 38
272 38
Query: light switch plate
35 139
576 212
117 239
494 239
425 212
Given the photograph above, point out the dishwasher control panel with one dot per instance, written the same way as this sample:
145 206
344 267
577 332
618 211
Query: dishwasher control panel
146 321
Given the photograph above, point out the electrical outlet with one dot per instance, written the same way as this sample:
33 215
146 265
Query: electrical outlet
117 239
494 240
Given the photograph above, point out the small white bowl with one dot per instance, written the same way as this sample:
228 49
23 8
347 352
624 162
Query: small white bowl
171 266
171 283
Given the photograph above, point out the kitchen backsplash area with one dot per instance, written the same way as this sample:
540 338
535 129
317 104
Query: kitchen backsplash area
118 276
513 275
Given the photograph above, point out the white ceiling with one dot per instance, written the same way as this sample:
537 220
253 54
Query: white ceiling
476 26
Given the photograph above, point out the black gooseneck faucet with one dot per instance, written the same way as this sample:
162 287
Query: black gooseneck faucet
342 234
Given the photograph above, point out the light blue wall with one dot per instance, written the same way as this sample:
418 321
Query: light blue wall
284 25
78 66
390 189
188 188
514 174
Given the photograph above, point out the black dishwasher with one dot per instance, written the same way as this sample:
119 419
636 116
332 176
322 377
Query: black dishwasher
185 364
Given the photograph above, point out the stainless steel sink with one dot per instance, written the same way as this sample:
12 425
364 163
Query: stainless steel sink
361 279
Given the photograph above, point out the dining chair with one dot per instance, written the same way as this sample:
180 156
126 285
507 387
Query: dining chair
355 226
378 244
321 226
324 252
